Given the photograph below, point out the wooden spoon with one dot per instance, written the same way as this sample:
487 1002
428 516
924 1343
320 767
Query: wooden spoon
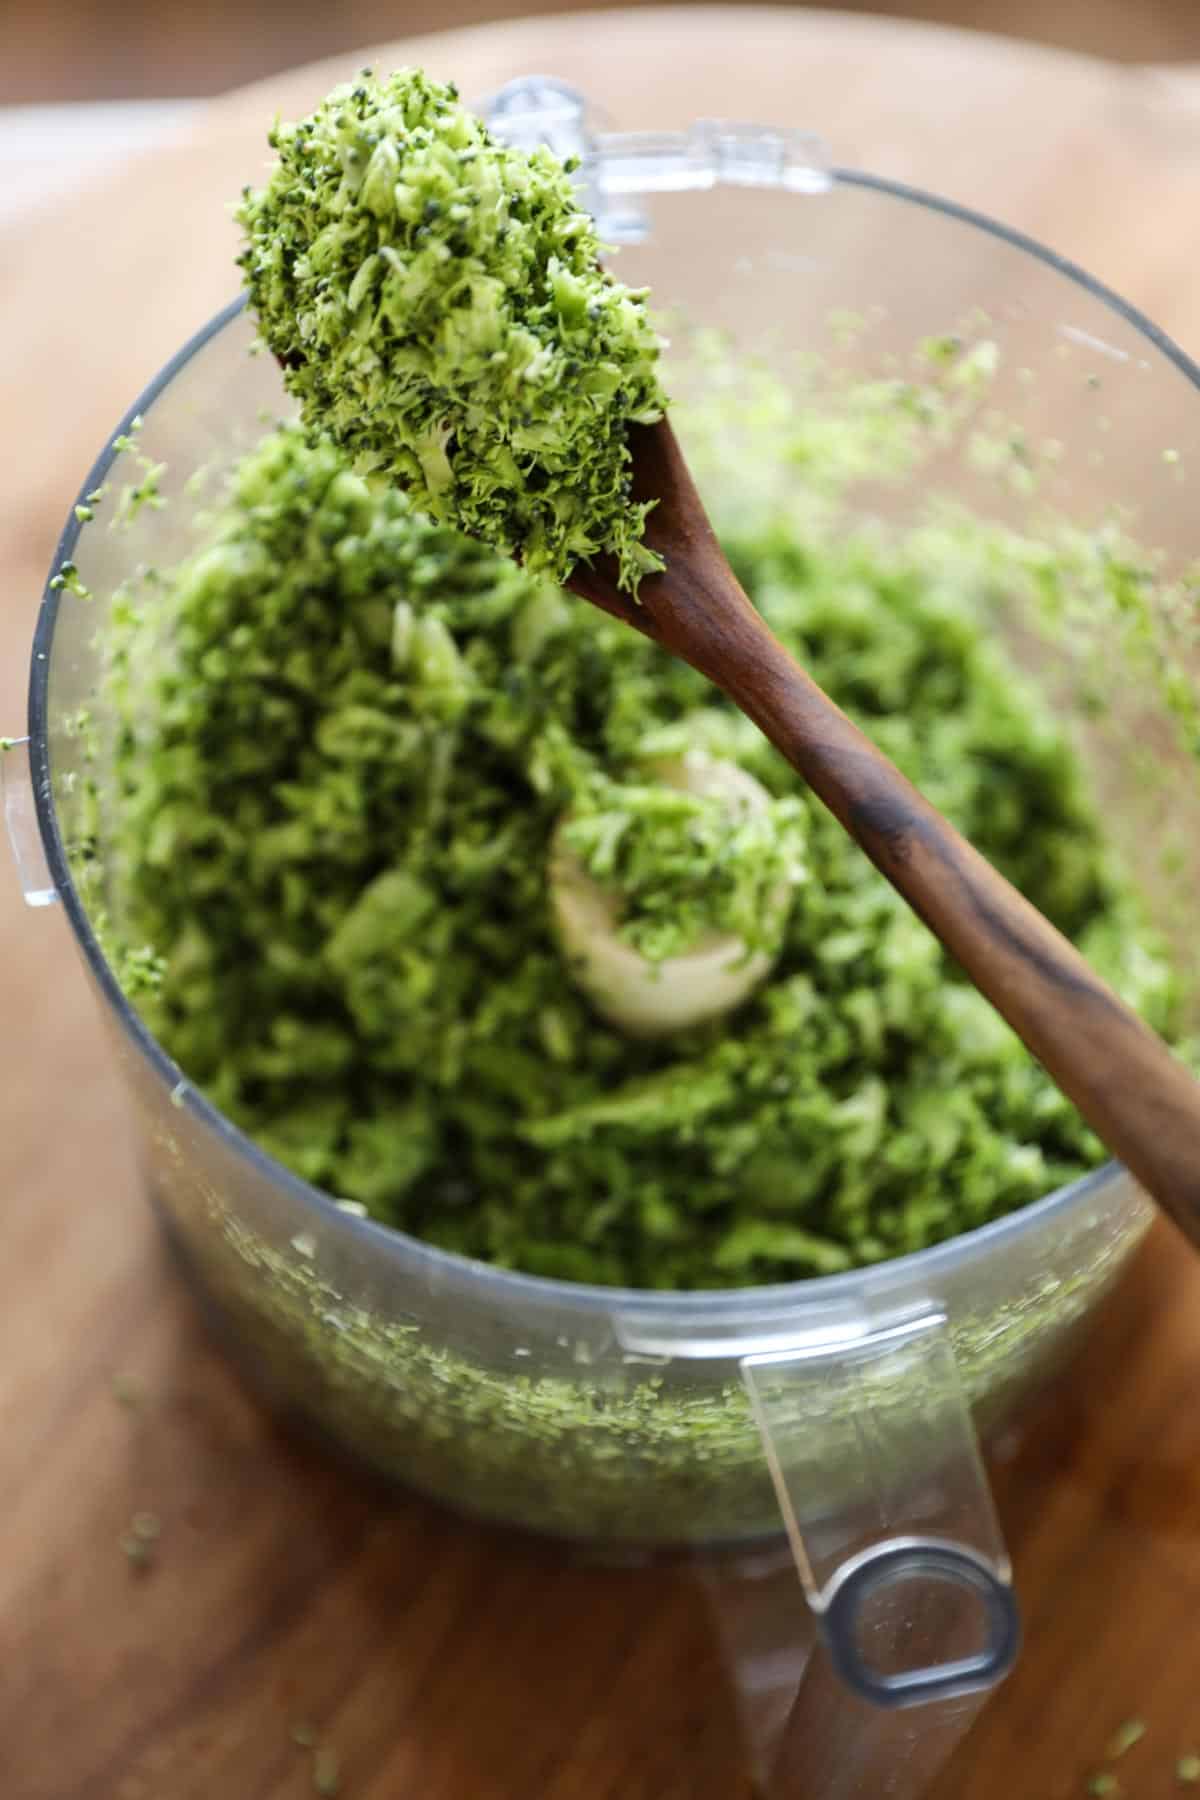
1129 1087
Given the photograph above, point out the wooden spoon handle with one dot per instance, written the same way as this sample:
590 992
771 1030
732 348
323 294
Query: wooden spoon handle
1131 1090
1129 1087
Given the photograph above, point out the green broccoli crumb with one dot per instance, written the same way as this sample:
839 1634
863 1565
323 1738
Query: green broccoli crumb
940 351
1124 1738
127 1391
327 1776
135 495
139 1543
69 579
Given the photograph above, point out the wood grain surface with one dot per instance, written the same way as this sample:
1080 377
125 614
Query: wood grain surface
436 1661
60 50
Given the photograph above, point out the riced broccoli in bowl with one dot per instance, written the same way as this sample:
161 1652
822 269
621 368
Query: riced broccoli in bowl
350 739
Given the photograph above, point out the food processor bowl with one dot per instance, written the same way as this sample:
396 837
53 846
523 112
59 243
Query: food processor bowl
631 1418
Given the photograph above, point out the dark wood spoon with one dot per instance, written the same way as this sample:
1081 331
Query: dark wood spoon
1133 1092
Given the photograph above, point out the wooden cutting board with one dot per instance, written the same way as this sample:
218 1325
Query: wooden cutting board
440 1662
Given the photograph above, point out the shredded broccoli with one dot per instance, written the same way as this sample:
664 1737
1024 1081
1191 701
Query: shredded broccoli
348 736
683 865
437 302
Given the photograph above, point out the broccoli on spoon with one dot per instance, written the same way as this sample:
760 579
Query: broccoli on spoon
438 306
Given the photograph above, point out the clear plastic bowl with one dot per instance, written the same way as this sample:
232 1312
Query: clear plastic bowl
593 1413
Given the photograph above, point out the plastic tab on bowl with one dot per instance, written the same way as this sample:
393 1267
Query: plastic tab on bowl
906 1575
538 110
20 820
922 1578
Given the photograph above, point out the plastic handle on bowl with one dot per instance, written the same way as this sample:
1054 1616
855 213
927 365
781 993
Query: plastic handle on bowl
20 819
882 1488
845 1608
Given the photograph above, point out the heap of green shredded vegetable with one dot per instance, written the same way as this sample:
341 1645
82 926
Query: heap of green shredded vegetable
437 301
347 737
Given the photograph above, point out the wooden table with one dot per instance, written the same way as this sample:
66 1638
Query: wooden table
442 1663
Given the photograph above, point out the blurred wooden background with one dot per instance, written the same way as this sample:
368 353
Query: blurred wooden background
53 50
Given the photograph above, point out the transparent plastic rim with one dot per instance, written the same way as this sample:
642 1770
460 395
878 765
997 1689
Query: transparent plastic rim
445 1266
